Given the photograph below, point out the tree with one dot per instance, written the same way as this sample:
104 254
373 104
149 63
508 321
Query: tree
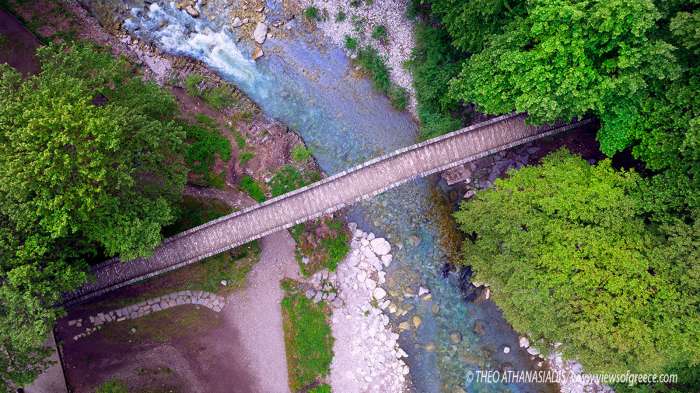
571 260
570 58
90 165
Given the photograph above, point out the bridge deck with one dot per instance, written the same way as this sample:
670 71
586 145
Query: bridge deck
325 196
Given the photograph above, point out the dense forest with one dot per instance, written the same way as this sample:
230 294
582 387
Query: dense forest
602 260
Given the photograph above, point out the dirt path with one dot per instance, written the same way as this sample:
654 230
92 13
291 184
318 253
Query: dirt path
257 316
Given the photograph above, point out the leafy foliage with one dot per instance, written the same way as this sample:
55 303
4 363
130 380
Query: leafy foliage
288 178
569 255
300 153
380 34
112 386
204 143
434 63
90 164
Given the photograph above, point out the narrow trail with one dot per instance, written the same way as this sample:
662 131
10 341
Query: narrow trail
256 314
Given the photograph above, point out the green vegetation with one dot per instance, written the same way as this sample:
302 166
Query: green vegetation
112 386
434 63
340 16
370 60
380 34
307 336
94 170
195 211
321 389
312 13
288 178
219 97
569 252
321 244
252 188
245 156
204 143
350 42
300 153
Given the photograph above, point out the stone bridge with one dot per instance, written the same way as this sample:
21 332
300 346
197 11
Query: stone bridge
328 195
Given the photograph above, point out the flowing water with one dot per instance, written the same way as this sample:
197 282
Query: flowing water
310 87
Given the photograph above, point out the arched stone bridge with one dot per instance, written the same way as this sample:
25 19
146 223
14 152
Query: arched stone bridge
328 195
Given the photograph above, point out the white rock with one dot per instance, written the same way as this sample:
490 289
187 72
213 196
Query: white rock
386 260
379 293
380 246
533 351
423 291
506 349
237 22
524 342
260 33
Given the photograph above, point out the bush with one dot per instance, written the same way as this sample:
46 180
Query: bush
350 42
398 96
193 85
219 97
380 34
245 157
308 340
312 13
336 247
289 179
252 188
195 211
321 389
370 60
300 153
203 146
340 16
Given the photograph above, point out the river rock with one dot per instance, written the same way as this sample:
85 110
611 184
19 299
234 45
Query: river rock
260 32
379 293
506 349
237 22
416 321
192 11
524 342
456 337
258 53
380 246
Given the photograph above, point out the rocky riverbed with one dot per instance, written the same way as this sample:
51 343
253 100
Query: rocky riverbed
367 354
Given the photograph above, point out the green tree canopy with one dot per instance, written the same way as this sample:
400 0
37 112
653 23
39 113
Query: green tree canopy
90 163
569 255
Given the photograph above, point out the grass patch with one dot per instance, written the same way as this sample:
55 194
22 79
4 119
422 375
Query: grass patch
321 244
288 178
375 65
307 337
162 327
300 153
340 16
252 188
112 386
320 389
194 84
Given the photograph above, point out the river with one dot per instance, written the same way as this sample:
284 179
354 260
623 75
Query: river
307 84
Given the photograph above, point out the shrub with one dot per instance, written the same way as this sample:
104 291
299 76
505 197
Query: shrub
398 96
355 3
240 140
321 389
245 157
308 340
288 179
380 34
312 13
350 42
193 84
219 97
195 211
340 16
370 60
300 153
203 146
252 188
336 247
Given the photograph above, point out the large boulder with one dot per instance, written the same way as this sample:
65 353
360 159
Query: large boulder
260 32
380 246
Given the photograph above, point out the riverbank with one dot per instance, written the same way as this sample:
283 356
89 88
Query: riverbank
368 357
382 25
